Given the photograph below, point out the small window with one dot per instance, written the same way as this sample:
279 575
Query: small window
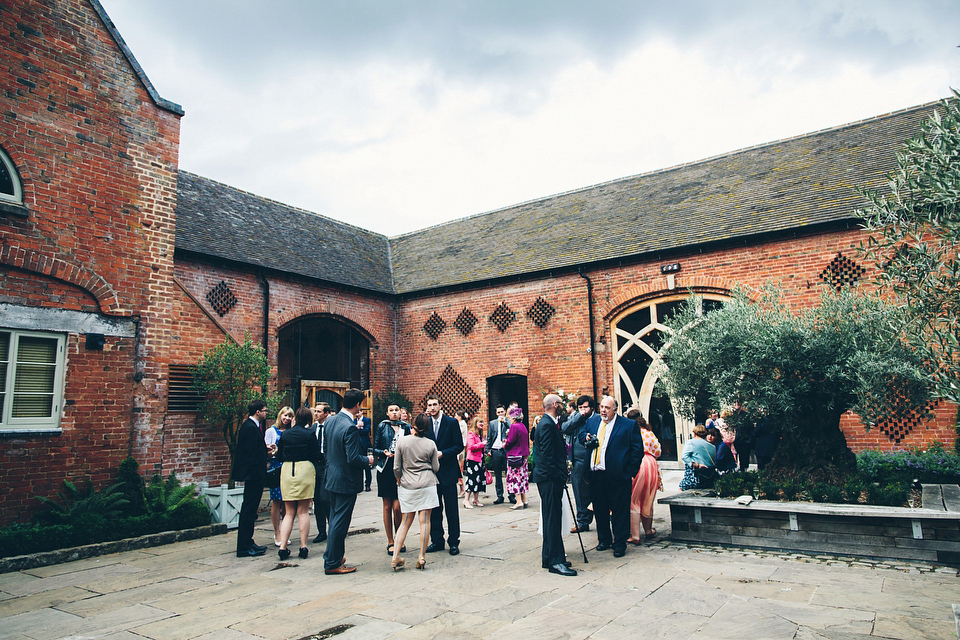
181 395
31 375
10 190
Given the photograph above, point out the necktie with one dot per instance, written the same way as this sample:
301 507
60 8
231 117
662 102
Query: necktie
436 429
599 450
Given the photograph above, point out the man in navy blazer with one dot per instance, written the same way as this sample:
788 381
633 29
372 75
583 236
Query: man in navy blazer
250 467
346 459
445 432
615 450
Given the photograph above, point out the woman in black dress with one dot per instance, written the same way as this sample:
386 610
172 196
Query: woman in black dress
384 445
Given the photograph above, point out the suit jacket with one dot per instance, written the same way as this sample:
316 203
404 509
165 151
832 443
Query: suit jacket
550 451
449 442
624 447
572 428
492 432
346 455
364 430
250 457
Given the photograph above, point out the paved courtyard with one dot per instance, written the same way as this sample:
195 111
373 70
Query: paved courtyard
494 589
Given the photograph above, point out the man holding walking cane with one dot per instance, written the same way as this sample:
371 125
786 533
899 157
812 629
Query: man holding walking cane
550 474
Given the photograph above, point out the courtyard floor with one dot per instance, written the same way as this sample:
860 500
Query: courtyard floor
494 589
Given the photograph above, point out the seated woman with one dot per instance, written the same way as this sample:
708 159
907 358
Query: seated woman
699 458
725 460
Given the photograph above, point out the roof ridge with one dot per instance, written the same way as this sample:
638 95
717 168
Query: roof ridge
675 167
282 204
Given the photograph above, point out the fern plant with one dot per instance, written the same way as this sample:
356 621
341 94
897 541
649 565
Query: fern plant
73 503
163 496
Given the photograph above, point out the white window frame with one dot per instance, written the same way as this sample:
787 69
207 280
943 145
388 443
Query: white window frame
51 422
17 196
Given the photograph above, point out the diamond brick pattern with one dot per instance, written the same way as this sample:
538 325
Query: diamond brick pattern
221 298
454 393
541 312
897 429
502 317
842 271
434 325
465 322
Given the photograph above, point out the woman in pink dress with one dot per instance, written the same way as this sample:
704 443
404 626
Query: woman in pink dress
645 484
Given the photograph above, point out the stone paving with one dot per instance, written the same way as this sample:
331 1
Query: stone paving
494 589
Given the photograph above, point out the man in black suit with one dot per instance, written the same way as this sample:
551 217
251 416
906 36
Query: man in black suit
321 498
615 449
250 467
573 428
445 432
346 459
364 425
550 474
496 438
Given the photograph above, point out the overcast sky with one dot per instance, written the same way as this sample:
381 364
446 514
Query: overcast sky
395 116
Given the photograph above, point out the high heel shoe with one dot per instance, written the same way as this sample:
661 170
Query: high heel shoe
283 553
467 505
303 553
421 563
398 564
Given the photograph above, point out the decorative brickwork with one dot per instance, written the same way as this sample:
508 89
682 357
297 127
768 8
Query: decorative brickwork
454 392
541 312
434 325
465 322
841 272
502 317
897 429
221 298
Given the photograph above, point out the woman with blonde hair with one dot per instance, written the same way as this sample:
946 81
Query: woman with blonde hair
300 451
473 465
270 438
646 482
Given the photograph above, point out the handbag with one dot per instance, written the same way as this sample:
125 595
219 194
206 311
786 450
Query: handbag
488 476
514 462
273 478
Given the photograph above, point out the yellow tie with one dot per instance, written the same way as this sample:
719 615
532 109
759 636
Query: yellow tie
597 452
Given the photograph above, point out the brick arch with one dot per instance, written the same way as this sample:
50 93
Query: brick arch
333 310
68 271
640 293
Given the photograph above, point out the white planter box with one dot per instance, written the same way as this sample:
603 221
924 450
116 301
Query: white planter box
224 504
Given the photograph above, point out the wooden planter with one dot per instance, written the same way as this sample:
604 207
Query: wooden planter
899 533
224 504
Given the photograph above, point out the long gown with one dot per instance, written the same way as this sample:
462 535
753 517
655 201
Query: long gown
645 485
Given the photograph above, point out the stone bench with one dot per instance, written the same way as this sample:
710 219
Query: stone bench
927 535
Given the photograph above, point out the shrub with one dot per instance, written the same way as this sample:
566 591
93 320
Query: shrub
933 466
73 503
738 483
131 487
891 495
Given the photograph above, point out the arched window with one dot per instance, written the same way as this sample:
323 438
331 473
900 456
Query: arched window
10 189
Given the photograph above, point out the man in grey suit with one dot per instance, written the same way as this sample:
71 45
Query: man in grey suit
346 460
572 428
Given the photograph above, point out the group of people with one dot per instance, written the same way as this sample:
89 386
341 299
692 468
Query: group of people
425 467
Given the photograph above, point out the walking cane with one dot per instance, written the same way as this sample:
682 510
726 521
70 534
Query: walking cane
570 502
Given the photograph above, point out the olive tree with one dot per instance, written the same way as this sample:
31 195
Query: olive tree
916 239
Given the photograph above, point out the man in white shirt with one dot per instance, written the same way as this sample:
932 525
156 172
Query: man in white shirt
496 437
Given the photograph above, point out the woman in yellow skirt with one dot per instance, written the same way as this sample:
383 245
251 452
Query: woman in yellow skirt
299 449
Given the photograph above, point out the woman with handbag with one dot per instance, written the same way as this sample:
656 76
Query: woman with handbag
517 448
384 444
299 449
474 480
270 438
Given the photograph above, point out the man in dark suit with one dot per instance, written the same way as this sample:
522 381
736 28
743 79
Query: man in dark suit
364 425
445 432
550 474
496 438
250 467
615 449
573 428
346 459
321 498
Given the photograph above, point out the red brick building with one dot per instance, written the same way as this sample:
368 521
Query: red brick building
119 270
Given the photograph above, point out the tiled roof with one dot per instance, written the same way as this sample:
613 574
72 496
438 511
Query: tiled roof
773 187
217 220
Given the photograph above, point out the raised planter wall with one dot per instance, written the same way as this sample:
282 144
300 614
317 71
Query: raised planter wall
879 532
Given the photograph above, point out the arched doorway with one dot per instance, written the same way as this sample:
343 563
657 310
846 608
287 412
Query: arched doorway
504 389
640 335
319 358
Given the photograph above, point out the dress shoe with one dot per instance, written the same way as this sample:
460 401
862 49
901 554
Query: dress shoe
435 546
563 570
304 552
251 553
454 550
340 570
366 489
565 563
258 547
283 553
498 501
603 546
619 553
321 537
580 527
513 500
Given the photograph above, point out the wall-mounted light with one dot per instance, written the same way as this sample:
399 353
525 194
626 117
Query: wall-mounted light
670 268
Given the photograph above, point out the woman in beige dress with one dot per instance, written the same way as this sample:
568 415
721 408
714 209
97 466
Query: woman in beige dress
415 465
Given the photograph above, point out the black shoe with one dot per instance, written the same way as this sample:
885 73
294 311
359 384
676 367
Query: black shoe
619 553
565 563
454 550
258 547
367 489
513 499
283 553
563 570
435 546
603 546
303 553
498 500
251 553
321 537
